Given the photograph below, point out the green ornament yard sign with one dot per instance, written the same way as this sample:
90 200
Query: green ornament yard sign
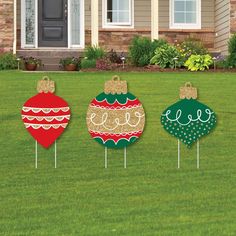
188 120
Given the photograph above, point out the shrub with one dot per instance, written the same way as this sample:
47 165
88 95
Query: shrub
231 60
192 47
165 56
142 50
88 63
102 64
8 61
199 62
94 53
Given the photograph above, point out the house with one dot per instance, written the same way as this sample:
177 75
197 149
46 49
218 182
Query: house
57 28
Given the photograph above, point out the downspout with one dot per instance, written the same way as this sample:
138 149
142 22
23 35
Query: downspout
15 27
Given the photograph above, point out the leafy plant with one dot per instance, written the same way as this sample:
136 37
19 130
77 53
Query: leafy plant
88 63
102 64
142 50
113 57
32 61
199 62
94 53
70 60
231 60
8 61
167 56
191 47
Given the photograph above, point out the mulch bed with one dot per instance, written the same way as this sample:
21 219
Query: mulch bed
152 68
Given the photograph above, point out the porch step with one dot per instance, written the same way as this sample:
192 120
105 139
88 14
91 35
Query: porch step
50 58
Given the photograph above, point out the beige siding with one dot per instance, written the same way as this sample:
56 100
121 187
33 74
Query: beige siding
87 16
18 14
222 25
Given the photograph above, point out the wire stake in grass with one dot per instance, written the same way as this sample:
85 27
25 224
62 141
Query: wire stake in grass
55 154
125 164
106 157
36 155
178 154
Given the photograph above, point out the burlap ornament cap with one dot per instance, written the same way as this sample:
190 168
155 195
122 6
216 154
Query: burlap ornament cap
188 91
45 85
115 86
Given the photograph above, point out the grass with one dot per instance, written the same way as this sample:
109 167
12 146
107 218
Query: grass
151 197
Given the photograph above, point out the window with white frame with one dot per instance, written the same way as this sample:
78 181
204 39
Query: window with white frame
185 14
117 13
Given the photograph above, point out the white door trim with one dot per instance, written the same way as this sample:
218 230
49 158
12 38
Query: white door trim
35 45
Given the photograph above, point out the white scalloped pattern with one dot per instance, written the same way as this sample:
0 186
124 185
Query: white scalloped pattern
46 118
45 126
45 110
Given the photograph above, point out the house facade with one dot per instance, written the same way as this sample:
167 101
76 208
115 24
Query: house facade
71 25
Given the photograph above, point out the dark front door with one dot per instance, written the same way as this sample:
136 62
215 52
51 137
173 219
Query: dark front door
52 23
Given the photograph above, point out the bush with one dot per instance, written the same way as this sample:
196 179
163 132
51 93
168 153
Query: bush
8 61
94 53
142 50
103 64
167 56
192 47
231 60
88 63
199 62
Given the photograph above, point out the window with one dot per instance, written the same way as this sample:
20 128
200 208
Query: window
185 14
117 13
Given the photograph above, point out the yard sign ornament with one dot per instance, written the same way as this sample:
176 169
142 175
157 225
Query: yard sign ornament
188 120
45 116
115 118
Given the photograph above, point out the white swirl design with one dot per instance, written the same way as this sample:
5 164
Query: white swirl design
190 117
117 120
45 110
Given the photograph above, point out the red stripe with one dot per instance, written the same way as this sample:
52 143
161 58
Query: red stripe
105 136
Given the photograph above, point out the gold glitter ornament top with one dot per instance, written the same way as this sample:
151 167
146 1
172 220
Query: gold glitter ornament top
188 91
46 85
115 86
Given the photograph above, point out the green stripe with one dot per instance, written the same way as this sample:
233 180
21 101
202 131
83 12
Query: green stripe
111 99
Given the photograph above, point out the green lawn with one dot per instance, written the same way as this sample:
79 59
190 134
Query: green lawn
150 197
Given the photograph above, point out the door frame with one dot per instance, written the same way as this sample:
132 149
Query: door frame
69 46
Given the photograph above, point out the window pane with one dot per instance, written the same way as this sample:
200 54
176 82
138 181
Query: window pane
109 5
115 4
191 6
75 22
179 6
124 5
179 17
190 18
29 21
124 17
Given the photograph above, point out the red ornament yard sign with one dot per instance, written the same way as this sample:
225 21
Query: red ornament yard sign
45 115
